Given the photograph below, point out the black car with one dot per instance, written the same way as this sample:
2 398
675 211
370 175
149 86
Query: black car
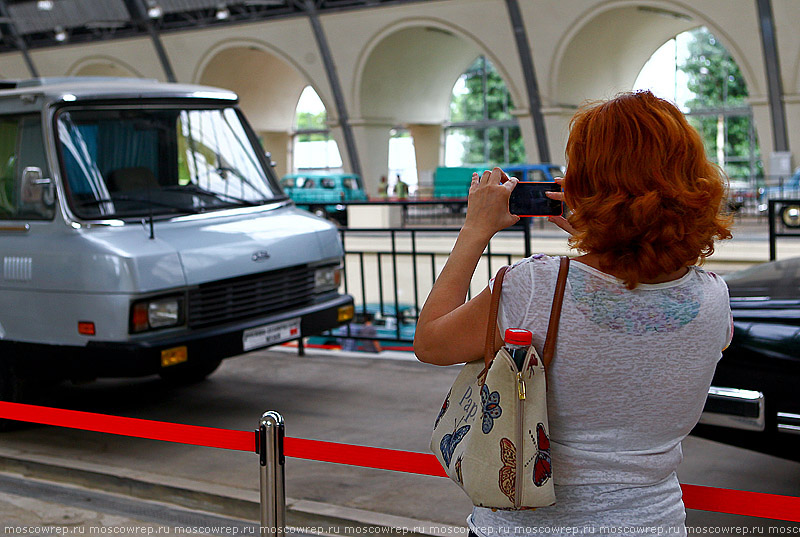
754 401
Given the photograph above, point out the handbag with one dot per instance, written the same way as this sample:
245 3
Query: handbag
492 435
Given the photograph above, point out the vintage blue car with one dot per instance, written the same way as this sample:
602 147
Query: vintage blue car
323 194
394 332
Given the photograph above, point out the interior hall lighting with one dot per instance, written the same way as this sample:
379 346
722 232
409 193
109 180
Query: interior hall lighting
154 10
60 34
223 12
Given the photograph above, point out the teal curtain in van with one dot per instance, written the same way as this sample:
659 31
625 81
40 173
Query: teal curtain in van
93 150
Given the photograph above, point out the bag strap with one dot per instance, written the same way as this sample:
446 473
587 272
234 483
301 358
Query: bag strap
491 328
555 313
552 327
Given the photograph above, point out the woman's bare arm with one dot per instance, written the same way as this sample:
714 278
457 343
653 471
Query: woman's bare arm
449 330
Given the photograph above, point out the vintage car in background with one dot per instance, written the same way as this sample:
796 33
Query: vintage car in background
789 213
322 194
453 182
753 401
390 327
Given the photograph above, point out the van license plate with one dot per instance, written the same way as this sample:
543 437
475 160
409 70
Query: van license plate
261 336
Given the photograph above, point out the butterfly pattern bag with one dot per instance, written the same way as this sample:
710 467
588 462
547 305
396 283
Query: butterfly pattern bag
491 435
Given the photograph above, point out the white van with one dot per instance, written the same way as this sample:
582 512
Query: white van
143 231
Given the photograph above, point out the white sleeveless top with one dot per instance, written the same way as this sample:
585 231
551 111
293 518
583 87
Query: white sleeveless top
627 383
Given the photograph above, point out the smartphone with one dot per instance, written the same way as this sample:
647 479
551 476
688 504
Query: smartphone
528 199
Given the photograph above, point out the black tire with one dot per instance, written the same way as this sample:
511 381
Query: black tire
189 372
13 389
790 216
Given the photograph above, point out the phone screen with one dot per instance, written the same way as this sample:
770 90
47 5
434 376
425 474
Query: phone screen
528 199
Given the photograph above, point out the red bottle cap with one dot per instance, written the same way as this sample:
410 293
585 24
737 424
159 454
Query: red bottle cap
518 336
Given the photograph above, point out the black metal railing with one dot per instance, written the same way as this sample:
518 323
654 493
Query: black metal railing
784 221
391 271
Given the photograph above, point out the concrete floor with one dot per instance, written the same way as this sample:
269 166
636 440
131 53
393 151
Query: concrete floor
349 398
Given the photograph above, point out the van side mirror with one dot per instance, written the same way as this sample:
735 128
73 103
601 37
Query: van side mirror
37 189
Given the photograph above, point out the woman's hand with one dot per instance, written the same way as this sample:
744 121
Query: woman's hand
487 205
560 221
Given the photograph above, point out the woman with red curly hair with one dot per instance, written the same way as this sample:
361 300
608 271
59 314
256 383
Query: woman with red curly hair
642 327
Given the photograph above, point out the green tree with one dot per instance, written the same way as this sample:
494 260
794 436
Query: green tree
718 85
494 104
309 121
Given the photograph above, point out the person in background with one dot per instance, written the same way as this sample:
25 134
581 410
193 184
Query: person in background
642 327
400 188
369 333
383 188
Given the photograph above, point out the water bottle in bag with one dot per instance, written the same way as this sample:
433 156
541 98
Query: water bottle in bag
517 342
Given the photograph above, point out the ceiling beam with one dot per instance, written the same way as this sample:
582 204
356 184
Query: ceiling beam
310 7
769 45
138 13
532 86
8 27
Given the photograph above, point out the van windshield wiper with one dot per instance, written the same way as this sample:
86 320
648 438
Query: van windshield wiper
194 189
116 199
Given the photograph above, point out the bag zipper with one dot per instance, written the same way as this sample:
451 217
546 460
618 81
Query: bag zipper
520 425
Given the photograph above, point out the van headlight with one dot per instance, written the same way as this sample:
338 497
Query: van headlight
154 313
327 278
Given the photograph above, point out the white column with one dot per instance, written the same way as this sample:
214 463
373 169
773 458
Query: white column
372 140
556 120
792 104
277 143
428 149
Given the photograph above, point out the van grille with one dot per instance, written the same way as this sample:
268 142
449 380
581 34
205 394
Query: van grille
255 295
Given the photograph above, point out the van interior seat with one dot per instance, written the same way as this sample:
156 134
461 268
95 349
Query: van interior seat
134 178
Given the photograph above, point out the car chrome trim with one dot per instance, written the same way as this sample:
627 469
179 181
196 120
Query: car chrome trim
788 423
734 408
21 228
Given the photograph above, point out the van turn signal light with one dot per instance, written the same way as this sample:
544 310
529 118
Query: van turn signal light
86 328
175 355
345 313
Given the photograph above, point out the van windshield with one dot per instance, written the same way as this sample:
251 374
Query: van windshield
135 162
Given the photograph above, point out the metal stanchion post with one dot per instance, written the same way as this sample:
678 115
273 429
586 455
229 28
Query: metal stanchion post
271 458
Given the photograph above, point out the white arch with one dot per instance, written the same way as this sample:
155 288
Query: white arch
585 22
102 60
268 48
268 82
388 30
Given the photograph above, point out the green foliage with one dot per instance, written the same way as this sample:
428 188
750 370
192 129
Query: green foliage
717 82
496 106
309 121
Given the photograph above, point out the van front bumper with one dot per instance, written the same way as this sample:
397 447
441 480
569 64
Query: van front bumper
144 356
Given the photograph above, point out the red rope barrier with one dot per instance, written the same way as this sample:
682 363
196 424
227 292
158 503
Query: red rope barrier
368 457
738 502
754 504
154 430
735 502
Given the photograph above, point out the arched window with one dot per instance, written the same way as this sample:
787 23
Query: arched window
697 73
402 160
313 147
481 129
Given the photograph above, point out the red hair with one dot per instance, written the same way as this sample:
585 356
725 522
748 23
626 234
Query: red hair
643 195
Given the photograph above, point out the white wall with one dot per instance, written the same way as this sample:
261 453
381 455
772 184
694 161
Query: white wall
397 64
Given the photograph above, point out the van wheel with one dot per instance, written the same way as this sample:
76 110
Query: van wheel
189 372
12 389
790 215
